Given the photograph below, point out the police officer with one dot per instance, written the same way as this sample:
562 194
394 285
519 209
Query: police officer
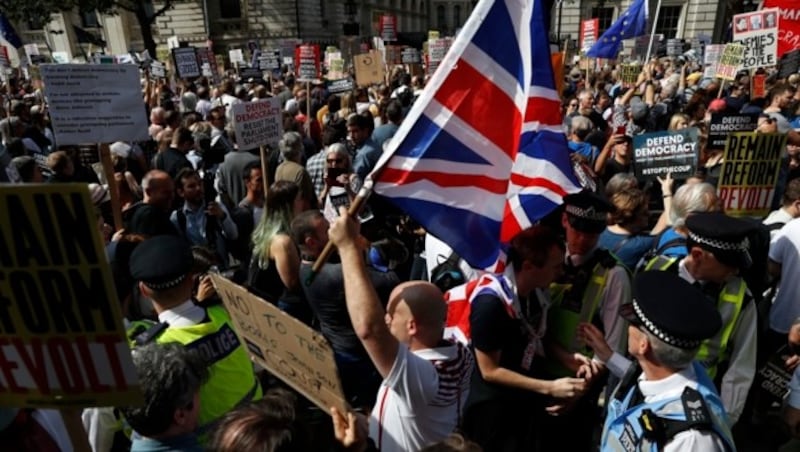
591 289
667 402
162 265
718 252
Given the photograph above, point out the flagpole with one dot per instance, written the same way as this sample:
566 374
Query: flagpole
653 32
352 211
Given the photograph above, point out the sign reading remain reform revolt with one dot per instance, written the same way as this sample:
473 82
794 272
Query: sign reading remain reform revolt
290 350
750 172
62 343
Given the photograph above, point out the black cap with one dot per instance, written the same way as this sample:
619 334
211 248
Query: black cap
587 211
671 309
723 236
161 262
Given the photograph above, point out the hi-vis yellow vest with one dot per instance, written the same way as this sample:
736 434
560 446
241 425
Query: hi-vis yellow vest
232 381
729 304
564 318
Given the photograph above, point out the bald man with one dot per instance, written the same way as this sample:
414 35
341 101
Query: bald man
425 379
151 216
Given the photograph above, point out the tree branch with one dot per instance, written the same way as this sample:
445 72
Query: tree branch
162 10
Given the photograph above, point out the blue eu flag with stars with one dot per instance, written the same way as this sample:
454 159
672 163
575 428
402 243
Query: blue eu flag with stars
632 23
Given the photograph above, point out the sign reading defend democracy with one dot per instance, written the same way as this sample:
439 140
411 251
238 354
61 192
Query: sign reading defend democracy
723 125
95 103
290 350
186 62
659 153
62 343
758 32
258 123
750 173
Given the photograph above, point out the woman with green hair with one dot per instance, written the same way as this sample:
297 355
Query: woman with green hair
275 267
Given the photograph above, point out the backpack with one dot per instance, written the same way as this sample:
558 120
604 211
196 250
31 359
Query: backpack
656 250
448 274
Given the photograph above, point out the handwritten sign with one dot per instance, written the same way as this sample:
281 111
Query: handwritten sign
258 123
750 173
369 68
289 349
629 73
759 36
95 103
62 343
730 60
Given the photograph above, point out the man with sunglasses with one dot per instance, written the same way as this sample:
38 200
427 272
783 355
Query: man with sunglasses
667 402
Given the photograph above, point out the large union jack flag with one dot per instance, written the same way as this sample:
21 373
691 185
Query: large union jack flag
482 154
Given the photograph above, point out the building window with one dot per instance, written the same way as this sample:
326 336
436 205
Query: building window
89 19
456 16
669 19
441 19
604 17
230 9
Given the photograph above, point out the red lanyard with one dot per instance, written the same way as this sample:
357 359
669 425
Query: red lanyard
380 416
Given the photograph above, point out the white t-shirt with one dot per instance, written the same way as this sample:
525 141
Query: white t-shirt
418 402
783 249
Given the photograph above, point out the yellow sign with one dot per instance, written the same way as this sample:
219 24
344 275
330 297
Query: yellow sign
629 73
290 350
62 343
750 173
369 68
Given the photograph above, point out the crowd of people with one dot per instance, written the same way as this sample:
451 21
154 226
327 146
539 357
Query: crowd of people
638 314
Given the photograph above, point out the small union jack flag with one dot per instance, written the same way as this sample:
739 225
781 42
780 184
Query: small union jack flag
482 154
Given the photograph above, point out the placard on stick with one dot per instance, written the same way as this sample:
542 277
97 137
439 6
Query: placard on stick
62 342
289 349
730 60
659 153
369 68
749 173
186 64
629 73
258 123
95 103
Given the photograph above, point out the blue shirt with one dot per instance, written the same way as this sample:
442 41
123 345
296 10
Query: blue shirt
366 158
677 250
184 443
629 252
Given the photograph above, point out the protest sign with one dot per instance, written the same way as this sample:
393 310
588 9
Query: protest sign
589 33
306 58
59 57
659 153
712 54
749 173
788 24
759 36
173 42
95 103
186 64
270 60
388 27
206 57
62 342
258 123
236 56
247 73
342 85
336 69
629 73
759 86
674 47
157 69
789 64
729 61
286 347
723 125
640 46
369 68
772 382
410 56
437 49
